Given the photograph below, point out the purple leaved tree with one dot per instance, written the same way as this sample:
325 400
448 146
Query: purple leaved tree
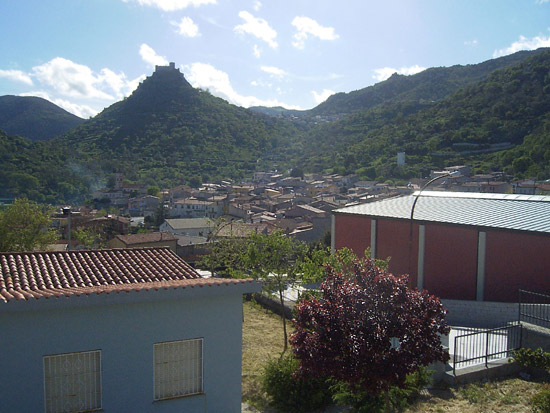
368 328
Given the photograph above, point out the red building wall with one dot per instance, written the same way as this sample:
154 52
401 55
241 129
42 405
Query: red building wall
514 261
394 240
352 231
450 261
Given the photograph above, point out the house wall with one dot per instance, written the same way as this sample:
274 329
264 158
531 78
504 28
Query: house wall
125 334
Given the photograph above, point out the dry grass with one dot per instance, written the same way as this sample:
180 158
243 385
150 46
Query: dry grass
263 339
507 396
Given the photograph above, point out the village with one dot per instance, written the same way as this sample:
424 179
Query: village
299 206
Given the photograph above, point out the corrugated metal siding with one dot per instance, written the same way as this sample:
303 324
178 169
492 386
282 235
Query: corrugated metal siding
515 212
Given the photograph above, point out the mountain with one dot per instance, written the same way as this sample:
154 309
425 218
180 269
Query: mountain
34 118
430 85
168 133
490 125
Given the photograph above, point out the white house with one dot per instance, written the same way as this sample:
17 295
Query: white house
195 227
122 330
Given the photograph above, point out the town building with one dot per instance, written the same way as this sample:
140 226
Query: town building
150 239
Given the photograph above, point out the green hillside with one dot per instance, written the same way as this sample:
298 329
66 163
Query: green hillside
37 171
34 118
168 133
510 108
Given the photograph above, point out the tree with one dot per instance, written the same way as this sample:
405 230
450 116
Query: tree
272 259
153 190
224 255
90 238
25 226
368 329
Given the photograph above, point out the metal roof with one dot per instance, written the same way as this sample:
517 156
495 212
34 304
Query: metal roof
505 211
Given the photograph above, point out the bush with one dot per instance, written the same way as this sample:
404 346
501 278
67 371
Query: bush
532 358
541 401
290 393
398 397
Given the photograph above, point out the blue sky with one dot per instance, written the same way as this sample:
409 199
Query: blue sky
84 55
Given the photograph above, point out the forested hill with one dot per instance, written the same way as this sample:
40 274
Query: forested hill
430 85
37 171
34 118
510 109
167 133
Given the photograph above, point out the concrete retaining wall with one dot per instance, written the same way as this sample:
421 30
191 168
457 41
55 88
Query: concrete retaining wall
533 337
484 314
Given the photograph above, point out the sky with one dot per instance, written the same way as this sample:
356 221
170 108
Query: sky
85 55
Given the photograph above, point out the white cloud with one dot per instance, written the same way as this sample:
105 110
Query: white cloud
172 5
16 75
307 26
206 76
524 44
187 27
257 27
70 79
321 97
471 43
385 72
82 111
62 78
151 57
257 51
257 5
274 71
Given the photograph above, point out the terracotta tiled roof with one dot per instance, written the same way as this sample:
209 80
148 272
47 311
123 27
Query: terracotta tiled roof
132 239
54 274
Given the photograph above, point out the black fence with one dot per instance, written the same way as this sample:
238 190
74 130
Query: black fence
484 346
534 308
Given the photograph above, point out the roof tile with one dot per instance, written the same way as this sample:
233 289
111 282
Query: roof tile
29 275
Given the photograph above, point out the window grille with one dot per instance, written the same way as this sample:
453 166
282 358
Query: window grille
72 382
177 368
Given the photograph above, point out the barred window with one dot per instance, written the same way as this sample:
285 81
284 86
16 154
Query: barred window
72 382
177 368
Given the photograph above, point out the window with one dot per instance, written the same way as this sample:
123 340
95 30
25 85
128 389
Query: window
72 382
177 368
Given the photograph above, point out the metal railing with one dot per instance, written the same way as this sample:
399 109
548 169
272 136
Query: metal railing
534 308
482 347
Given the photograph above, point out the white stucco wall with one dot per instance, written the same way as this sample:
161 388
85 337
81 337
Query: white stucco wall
124 327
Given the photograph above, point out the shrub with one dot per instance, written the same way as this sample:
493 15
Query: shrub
293 393
532 358
398 397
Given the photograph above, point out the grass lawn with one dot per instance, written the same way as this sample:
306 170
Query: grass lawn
263 339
